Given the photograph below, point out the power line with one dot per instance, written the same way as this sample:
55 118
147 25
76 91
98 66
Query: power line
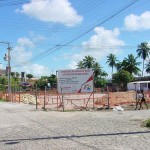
90 5
57 47
4 3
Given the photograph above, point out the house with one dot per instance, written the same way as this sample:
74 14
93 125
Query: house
2 72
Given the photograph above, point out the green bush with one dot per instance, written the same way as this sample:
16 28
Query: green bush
2 100
147 122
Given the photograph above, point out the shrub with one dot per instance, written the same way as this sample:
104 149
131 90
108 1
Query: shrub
2 100
147 123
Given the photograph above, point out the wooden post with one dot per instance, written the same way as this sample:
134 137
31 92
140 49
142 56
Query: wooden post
93 90
62 100
44 97
19 94
57 102
36 95
15 93
108 98
12 94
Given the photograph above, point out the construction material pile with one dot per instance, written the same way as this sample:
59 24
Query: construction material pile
28 99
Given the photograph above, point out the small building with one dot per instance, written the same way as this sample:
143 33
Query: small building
139 85
2 72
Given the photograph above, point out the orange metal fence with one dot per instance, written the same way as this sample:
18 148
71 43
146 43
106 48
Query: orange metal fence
55 101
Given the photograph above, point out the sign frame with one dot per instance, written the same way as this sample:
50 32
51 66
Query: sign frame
73 81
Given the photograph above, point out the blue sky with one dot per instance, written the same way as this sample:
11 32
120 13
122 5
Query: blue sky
38 30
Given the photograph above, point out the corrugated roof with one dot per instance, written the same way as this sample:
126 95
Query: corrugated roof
140 82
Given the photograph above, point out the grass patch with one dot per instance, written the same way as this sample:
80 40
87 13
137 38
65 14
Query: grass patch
146 123
2 100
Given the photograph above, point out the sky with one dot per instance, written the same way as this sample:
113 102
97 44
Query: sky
51 35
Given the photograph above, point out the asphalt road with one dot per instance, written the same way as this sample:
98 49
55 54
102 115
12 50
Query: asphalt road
22 127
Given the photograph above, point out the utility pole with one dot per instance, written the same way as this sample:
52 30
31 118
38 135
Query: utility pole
7 58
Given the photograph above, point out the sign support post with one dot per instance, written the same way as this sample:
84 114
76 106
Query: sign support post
62 100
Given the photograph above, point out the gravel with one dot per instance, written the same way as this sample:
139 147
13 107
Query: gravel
22 127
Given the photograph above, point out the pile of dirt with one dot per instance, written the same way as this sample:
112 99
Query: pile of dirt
28 99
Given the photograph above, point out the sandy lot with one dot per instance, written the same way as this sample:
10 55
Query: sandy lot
24 128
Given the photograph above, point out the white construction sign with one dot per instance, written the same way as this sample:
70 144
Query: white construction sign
75 81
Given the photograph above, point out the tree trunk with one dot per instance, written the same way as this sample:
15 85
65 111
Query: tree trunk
143 68
112 73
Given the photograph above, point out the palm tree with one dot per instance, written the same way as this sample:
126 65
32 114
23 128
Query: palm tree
147 67
111 60
143 51
80 65
131 65
97 69
88 61
119 66
29 76
103 74
17 77
12 74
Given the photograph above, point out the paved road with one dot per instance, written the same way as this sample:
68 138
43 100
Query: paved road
24 128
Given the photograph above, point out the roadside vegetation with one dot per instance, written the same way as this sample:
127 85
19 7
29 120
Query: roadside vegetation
2 100
146 123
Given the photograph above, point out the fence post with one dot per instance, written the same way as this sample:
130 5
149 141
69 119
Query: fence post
62 100
44 97
19 94
93 99
57 102
36 95
108 98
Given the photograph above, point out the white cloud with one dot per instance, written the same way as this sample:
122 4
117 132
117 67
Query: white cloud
57 11
72 65
25 42
23 51
20 54
102 43
36 69
135 22
1 66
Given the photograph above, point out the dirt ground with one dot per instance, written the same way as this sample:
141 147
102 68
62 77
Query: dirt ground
22 127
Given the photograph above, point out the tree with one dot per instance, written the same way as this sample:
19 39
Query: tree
17 74
130 64
41 84
17 77
97 69
147 67
143 52
119 66
3 83
88 62
29 76
103 74
52 80
12 74
111 61
80 65
101 83
122 77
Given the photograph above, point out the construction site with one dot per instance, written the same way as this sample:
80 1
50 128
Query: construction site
51 100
